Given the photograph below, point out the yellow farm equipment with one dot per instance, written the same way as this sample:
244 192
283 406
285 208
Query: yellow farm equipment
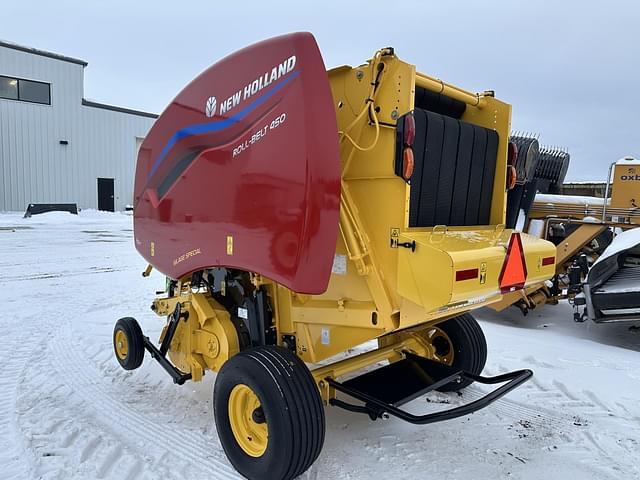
588 232
298 213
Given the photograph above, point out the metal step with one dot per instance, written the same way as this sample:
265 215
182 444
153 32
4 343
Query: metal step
400 382
618 299
626 279
385 389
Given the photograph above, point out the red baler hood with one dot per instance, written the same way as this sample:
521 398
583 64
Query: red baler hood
243 170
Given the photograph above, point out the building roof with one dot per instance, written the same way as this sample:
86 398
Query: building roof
91 103
42 53
85 102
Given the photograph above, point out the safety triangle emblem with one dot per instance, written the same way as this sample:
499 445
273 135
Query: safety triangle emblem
514 271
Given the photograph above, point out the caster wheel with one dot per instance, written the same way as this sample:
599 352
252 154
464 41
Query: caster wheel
128 343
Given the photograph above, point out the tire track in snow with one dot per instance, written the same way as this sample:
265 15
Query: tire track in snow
16 355
571 415
51 275
66 443
85 447
193 450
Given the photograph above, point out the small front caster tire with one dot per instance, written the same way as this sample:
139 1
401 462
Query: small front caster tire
128 343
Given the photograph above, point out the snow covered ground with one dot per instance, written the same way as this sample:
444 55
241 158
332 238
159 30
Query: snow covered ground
67 410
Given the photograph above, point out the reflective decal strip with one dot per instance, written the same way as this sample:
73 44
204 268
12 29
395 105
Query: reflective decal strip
466 274
548 261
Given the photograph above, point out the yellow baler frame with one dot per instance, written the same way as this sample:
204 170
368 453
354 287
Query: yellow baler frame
364 297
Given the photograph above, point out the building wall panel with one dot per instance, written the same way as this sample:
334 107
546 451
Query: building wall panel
35 167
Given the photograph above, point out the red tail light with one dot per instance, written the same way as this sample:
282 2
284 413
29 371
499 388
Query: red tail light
512 155
512 176
409 130
407 163
512 158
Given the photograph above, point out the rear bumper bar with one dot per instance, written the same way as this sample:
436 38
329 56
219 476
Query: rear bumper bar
377 408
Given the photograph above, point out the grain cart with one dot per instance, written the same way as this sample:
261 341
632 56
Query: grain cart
298 213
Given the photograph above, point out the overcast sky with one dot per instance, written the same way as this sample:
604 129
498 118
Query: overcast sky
571 69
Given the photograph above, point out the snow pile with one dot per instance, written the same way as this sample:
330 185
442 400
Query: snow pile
570 199
628 161
623 241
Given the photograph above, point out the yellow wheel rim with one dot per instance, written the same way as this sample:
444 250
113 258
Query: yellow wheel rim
122 346
251 435
443 349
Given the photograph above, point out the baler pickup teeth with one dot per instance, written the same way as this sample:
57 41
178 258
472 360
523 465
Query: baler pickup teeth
385 389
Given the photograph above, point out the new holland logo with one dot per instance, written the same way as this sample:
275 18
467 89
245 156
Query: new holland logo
210 109
250 89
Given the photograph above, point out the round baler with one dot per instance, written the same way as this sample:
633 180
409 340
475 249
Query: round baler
298 213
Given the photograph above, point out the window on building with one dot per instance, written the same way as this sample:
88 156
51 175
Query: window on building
8 88
25 90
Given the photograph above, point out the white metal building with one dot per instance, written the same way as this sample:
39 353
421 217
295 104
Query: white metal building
56 146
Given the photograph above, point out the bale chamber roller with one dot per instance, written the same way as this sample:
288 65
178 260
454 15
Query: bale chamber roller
298 213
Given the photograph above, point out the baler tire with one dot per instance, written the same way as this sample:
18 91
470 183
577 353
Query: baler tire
470 348
127 329
291 408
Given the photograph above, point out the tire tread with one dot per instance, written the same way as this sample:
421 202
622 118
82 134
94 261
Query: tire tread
135 339
304 412
470 347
